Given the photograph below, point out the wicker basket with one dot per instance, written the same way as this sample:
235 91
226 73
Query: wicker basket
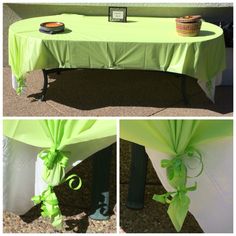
188 26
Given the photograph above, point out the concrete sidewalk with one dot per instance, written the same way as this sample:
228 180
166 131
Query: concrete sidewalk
112 93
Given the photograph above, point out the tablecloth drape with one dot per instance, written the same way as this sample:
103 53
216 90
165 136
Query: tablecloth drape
58 140
148 43
179 140
212 203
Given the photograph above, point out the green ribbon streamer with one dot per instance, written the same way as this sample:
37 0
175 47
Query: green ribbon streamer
165 198
54 159
49 206
20 86
71 179
177 177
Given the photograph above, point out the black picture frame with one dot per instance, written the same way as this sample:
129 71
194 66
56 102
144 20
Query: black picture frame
117 14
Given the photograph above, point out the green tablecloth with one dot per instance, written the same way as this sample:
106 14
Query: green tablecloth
178 139
147 43
53 136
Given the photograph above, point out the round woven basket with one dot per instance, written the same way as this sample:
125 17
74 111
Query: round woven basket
188 26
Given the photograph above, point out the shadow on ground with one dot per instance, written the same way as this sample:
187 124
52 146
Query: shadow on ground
153 217
82 225
92 89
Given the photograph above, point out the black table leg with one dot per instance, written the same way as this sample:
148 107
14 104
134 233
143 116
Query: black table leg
45 85
138 172
58 72
183 89
100 186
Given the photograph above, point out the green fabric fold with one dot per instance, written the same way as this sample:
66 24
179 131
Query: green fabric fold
177 138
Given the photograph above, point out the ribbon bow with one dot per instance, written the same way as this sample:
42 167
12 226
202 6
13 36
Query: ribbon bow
52 156
165 198
176 167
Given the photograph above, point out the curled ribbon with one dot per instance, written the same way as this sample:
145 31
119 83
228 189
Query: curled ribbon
71 179
176 167
194 153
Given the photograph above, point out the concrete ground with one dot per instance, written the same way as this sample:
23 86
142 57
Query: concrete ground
112 93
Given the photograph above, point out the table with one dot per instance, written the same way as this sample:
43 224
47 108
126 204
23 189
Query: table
58 144
187 157
147 43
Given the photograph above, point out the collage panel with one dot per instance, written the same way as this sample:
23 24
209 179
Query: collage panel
59 176
176 176
155 60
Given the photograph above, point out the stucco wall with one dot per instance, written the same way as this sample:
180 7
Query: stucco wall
213 12
208 11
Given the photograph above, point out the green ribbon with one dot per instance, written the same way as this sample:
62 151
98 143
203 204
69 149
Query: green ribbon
176 169
49 206
20 86
55 162
165 198
52 156
192 153
72 179
178 204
